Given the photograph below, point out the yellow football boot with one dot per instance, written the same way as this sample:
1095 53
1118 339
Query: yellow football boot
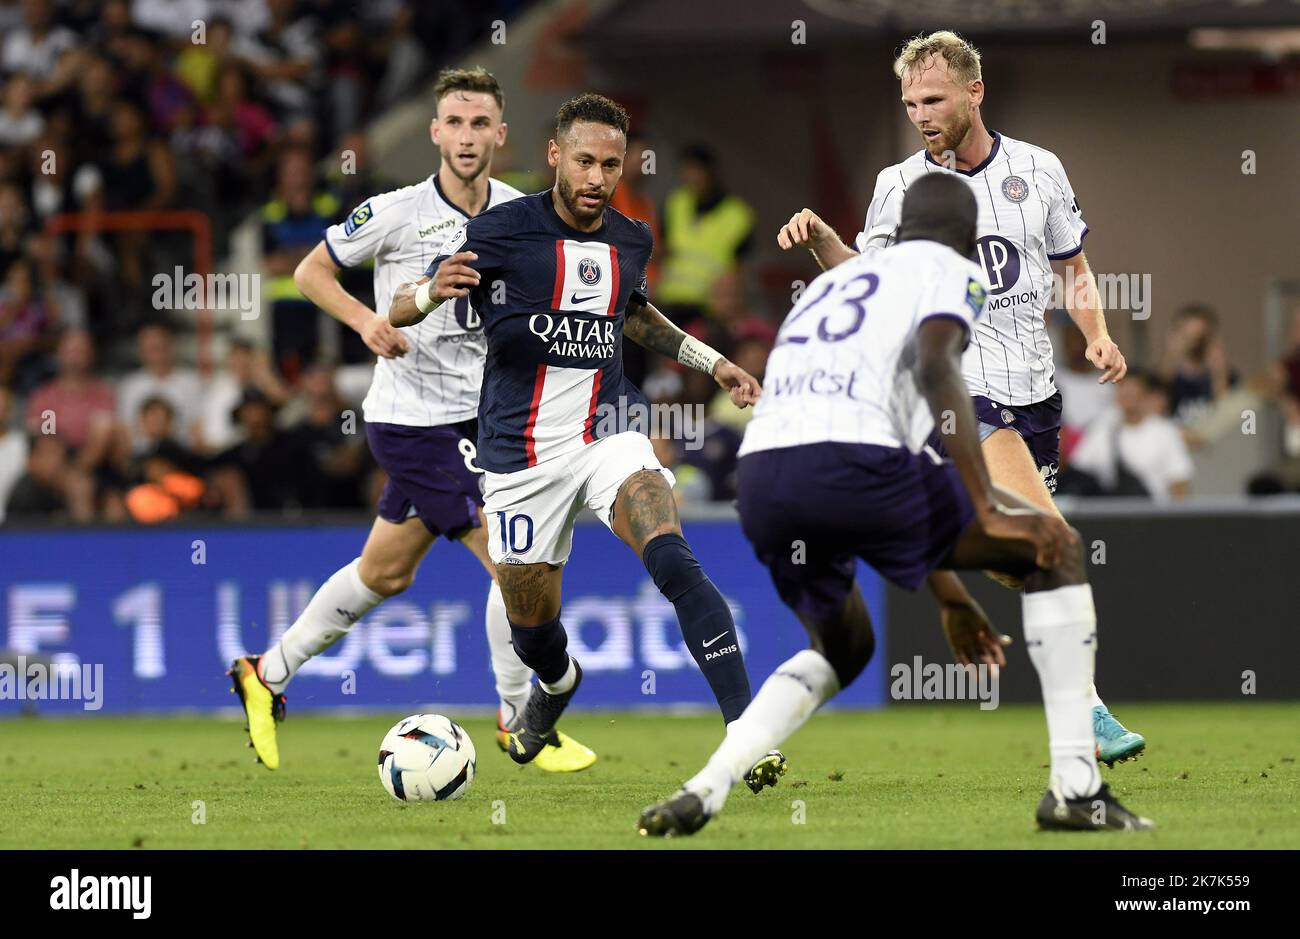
562 754
262 707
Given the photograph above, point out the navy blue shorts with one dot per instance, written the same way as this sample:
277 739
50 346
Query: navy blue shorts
1039 426
810 510
428 475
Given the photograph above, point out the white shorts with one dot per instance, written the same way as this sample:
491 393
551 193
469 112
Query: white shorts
530 512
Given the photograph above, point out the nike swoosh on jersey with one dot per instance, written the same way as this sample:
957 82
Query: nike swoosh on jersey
574 298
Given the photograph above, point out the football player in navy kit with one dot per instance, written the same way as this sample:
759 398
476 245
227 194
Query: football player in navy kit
559 279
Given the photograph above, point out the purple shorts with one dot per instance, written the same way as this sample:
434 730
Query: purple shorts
1039 426
810 510
428 475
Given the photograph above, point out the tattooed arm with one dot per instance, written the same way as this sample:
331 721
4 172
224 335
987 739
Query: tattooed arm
647 327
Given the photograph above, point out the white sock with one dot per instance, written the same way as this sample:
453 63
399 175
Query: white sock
565 682
336 606
786 700
1096 699
513 677
1061 633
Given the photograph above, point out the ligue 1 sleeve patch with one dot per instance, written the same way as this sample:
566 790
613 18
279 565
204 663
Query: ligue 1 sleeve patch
360 215
975 296
454 242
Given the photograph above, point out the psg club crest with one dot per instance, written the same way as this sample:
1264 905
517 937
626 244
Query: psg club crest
1008 417
1015 189
589 272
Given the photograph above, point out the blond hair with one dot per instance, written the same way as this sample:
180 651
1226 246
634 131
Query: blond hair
963 59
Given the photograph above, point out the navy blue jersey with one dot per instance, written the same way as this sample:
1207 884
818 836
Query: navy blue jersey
552 300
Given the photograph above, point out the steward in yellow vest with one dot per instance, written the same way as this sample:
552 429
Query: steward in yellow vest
706 231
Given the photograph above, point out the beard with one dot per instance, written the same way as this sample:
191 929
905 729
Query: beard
477 170
576 208
951 137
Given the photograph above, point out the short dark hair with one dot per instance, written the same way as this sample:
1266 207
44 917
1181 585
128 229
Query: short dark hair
468 79
594 109
157 401
939 207
1147 378
1200 311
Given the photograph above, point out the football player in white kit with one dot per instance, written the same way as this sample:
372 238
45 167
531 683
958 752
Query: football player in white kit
420 414
1030 228
836 457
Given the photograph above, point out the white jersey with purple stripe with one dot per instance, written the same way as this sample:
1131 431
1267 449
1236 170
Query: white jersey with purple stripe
552 300
1028 217
842 368
437 381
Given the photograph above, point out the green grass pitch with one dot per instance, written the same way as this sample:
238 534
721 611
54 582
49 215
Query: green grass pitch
1216 776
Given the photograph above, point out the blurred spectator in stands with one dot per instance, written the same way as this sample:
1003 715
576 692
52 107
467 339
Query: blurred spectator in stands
713 445
292 224
155 425
13 450
691 485
1134 449
60 183
275 467
706 232
171 18
164 91
246 367
248 16
20 122
632 197
66 297
199 64
285 59
1195 366
1284 379
1083 398
138 175
92 108
403 53
51 488
35 47
251 125
345 42
28 329
335 440
753 340
160 376
77 406
15 225
168 475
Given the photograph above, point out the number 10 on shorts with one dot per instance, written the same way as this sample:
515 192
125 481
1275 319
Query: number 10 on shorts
515 538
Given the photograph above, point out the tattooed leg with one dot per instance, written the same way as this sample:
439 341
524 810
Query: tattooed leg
645 509
531 592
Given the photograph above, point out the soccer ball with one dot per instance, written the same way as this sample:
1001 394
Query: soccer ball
426 758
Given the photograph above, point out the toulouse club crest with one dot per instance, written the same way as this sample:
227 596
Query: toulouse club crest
1015 189
589 272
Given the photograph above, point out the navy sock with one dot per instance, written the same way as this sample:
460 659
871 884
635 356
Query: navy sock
542 648
705 620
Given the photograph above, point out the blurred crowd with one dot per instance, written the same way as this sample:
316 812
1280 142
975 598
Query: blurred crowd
219 106
226 107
